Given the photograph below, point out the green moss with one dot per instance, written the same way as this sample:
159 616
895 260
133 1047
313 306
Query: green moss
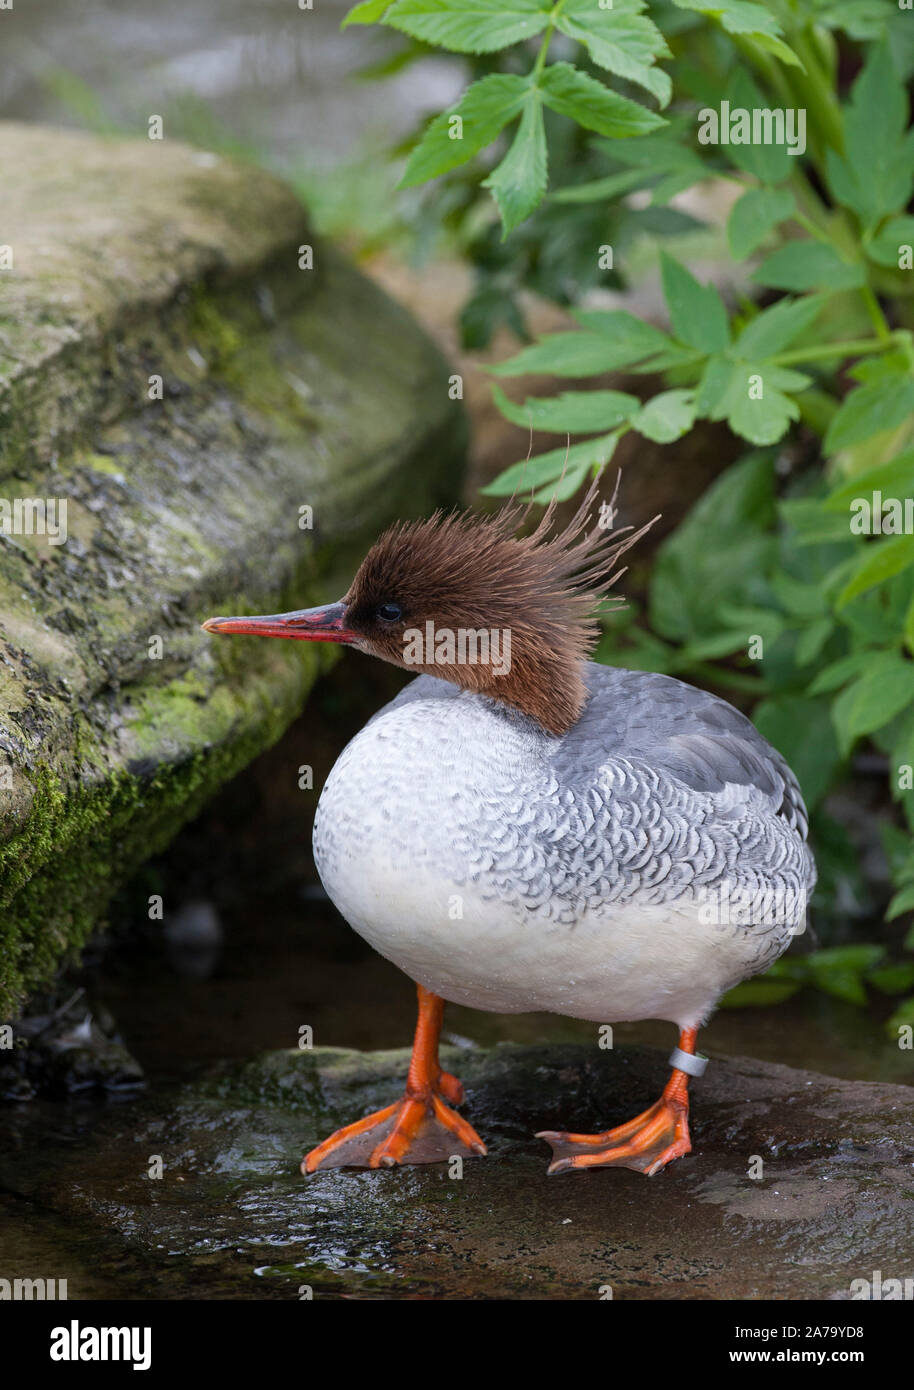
216 337
99 463
60 872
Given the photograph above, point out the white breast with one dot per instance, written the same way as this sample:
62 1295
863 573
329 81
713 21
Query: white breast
446 840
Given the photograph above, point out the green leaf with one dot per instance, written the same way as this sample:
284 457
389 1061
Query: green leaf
899 851
770 331
582 353
883 691
777 48
838 970
806 265
624 43
736 16
470 26
572 412
902 1019
692 579
665 152
592 105
666 417
490 306
859 957
632 338
368 12
519 181
568 483
598 190
759 993
875 176
754 215
547 468
697 312
799 599
483 111
764 421
878 405
882 364
712 648
770 163
903 901
892 240
811 523
760 419
799 727
878 563
861 19
838 673
784 378
893 479
561 354
893 979
712 388
812 639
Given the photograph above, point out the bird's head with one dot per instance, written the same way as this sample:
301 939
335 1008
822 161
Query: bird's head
461 596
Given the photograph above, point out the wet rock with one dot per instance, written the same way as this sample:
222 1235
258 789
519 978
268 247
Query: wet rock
69 1047
227 431
831 1199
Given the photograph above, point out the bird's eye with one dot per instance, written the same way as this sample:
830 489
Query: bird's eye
390 612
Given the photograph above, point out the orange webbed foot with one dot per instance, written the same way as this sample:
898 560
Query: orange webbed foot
420 1128
646 1144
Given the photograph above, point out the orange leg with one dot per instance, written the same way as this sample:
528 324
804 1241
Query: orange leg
647 1143
420 1128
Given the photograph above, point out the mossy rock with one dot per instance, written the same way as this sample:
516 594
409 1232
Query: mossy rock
282 388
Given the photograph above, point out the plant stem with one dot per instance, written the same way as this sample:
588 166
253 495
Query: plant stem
853 347
876 315
814 87
547 39
812 228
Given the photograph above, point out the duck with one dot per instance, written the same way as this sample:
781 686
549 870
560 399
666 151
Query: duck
524 829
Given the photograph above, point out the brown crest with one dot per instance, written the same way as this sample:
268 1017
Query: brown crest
464 573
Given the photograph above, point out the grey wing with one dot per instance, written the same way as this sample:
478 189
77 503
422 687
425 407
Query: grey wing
699 745
692 735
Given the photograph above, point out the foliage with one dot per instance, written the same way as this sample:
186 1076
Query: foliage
790 582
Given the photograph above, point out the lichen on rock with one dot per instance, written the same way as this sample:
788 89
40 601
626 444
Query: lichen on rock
169 371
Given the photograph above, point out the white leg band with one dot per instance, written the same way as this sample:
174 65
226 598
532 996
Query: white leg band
692 1063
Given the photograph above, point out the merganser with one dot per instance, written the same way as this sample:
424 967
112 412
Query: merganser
541 832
